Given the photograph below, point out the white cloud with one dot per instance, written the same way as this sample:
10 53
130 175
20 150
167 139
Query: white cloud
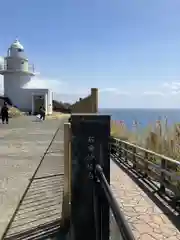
142 95
172 87
153 93
40 82
62 90
108 90
165 95
113 91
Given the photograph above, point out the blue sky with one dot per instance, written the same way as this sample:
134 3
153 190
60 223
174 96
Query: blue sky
129 49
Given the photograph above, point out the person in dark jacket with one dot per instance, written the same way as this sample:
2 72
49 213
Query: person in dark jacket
42 113
4 113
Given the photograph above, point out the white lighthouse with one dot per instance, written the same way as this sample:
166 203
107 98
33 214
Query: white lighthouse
17 74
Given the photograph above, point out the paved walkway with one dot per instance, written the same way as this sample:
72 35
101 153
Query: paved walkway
22 146
146 220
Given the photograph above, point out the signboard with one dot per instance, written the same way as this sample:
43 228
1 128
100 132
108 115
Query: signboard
90 146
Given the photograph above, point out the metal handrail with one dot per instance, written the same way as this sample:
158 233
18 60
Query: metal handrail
5 67
171 160
118 215
164 171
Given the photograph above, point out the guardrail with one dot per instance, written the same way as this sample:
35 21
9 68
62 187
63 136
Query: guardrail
30 68
163 170
125 232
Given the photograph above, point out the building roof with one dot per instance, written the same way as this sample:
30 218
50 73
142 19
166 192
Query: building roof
17 44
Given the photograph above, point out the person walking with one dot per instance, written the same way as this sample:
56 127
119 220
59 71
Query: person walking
4 113
42 113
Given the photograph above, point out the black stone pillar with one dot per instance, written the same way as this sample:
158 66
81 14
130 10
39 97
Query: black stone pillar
90 146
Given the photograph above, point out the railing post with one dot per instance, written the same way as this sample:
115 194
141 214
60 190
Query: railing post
146 155
125 152
134 158
162 178
67 173
115 147
119 149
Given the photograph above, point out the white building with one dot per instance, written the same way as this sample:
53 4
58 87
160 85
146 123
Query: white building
17 74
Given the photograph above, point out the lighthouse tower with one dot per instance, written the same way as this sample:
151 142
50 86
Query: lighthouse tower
17 72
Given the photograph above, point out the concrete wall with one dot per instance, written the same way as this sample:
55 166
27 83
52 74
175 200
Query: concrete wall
13 84
19 97
88 104
50 102
22 98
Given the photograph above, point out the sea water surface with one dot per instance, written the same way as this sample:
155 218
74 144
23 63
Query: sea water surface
144 117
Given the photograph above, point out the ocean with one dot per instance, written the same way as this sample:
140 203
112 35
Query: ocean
144 117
